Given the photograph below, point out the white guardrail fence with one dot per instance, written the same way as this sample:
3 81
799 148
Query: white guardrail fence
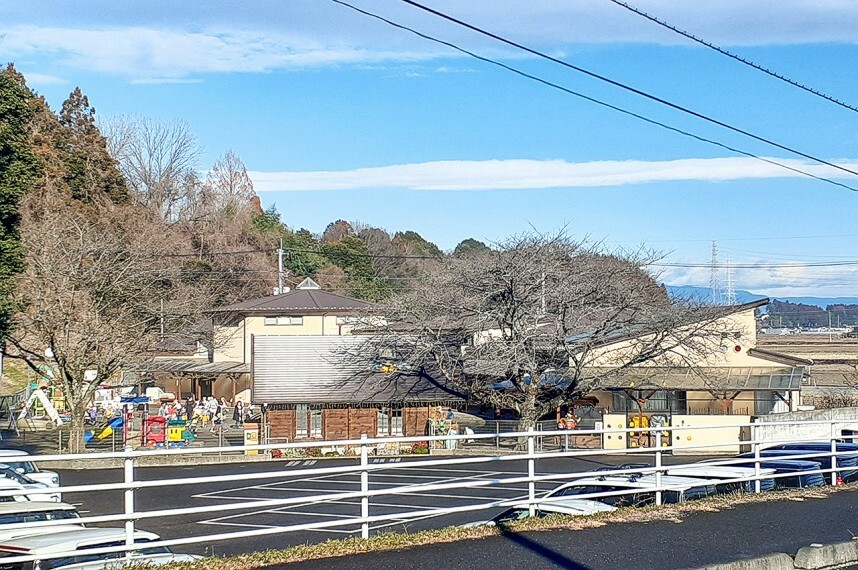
360 463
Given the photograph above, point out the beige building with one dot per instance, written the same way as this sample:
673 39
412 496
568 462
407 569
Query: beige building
224 370
729 377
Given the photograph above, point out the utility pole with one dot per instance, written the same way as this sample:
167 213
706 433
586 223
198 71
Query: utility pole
829 326
280 268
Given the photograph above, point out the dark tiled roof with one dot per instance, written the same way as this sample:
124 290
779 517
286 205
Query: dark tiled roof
298 301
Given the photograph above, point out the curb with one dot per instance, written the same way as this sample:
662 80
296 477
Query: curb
827 556
778 561
813 557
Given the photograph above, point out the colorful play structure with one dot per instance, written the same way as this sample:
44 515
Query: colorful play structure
114 424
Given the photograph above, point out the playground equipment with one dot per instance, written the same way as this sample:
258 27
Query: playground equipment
39 395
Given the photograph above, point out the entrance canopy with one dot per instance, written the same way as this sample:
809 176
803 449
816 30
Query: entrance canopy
194 366
751 379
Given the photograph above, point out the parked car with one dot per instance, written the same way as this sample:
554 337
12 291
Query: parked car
521 511
36 511
847 461
18 460
642 489
82 541
719 473
27 491
10 474
802 471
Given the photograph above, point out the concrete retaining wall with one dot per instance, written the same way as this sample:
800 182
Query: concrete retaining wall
845 418
814 557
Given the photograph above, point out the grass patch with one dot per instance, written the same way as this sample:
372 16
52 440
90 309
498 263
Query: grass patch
14 377
397 541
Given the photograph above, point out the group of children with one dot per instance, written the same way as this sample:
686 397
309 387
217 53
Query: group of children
207 411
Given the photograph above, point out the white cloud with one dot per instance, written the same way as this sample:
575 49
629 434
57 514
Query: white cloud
530 174
788 278
37 79
161 55
263 36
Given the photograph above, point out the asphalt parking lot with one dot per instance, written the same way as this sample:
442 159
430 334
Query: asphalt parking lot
295 485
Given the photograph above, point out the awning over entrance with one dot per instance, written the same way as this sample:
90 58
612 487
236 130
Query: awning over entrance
750 379
194 366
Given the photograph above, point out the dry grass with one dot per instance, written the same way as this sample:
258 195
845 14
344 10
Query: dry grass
397 541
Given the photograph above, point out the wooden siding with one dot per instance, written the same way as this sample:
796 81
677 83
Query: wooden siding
335 423
414 421
362 420
282 423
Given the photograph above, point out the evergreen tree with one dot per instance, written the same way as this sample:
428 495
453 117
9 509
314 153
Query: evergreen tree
19 169
90 170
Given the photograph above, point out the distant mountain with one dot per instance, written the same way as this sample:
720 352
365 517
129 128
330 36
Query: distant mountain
821 301
704 294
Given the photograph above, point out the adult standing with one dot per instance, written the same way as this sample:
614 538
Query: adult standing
238 414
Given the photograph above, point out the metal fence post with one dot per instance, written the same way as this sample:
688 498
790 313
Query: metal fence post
531 473
364 487
834 473
497 435
129 498
755 436
658 468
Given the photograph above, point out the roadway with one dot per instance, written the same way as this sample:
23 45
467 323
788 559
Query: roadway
292 484
746 531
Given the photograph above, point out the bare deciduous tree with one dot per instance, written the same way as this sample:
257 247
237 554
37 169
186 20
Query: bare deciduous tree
525 326
229 187
157 158
91 295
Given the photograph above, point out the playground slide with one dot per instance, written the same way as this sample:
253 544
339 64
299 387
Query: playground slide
115 423
87 437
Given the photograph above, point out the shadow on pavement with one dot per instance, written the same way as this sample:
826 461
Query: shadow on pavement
556 558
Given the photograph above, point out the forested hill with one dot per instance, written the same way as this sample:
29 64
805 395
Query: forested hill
784 313
143 177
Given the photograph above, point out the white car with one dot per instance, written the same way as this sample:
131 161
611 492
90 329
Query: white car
574 507
19 461
638 490
720 473
82 541
35 511
28 490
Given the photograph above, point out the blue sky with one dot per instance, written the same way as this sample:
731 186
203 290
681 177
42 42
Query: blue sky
340 116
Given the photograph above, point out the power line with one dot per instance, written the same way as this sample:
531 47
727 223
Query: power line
732 55
597 101
622 85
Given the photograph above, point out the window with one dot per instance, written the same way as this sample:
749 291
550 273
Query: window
308 423
315 423
301 420
671 401
279 321
383 422
389 422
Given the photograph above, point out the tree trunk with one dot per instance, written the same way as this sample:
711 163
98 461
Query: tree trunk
529 413
77 429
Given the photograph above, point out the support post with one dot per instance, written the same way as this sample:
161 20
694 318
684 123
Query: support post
364 487
755 436
531 473
129 498
497 436
834 472
658 496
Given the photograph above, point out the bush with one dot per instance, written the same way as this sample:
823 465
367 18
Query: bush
420 448
276 454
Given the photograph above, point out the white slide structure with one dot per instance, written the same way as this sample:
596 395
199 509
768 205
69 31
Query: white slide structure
46 402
